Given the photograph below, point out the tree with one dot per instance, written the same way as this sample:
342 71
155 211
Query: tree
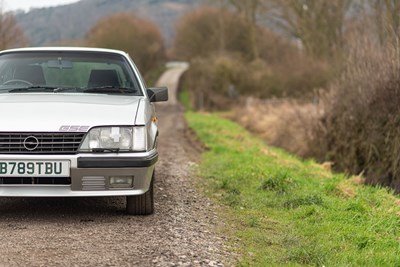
208 30
249 10
11 34
319 25
138 37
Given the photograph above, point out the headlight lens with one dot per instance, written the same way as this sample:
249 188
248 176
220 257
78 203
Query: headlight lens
115 138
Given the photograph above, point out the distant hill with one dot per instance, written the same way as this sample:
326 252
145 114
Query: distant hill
46 26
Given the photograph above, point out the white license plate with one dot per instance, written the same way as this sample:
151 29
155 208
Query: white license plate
33 168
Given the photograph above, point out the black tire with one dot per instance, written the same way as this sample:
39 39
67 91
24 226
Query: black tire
141 204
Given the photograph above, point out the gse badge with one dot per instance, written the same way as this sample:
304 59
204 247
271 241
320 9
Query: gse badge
74 128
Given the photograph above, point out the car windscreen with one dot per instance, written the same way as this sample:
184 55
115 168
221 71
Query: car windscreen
67 71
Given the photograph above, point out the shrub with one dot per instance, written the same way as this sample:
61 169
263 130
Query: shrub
206 31
360 130
217 43
298 77
11 34
138 37
217 81
209 80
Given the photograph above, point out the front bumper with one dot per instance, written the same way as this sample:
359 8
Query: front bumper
89 175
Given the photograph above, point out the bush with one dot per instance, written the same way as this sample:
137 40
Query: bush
208 81
138 37
360 131
217 81
217 43
206 31
298 77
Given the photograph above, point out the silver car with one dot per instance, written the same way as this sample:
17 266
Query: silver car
77 122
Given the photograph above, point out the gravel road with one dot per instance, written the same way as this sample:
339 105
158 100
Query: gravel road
96 231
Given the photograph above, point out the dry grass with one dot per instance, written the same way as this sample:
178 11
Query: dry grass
354 125
283 123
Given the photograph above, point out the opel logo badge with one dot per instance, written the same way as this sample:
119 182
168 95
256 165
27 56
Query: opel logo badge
31 143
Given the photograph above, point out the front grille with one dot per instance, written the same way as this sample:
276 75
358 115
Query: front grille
36 180
47 143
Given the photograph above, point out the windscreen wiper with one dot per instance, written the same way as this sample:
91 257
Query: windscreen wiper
35 88
110 90
41 88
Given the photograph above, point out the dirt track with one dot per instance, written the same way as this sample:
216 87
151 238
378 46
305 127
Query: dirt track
96 232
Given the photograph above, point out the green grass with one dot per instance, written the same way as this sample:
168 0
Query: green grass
184 98
286 211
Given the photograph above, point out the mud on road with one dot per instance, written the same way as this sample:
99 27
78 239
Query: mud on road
97 232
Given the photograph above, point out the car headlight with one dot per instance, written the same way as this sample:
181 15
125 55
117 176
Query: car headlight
115 139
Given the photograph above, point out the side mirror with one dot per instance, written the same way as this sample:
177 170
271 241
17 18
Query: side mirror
157 94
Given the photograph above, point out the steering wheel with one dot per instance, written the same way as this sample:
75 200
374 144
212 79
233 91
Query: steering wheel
16 81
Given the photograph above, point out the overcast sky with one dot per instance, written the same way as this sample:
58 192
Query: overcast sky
27 4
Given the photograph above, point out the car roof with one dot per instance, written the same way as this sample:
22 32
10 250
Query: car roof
64 49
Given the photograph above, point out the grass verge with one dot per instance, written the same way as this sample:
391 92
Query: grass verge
285 211
184 98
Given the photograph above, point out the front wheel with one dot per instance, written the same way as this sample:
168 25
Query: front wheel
141 204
